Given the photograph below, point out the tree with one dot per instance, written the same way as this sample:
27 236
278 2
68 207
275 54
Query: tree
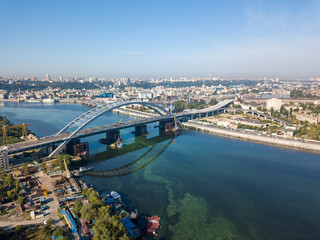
59 232
9 180
213 101
64 157
21 200
25 169
16 183
88 212
20 228
11 195
49 222
179 106
109 228
77 207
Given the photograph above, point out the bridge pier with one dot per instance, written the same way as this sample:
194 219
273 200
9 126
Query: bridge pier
140 130
112 136
69 149
47 150
167 125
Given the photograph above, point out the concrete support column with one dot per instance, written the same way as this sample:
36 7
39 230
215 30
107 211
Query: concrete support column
112 136
167 125
69 147
140 130
47 150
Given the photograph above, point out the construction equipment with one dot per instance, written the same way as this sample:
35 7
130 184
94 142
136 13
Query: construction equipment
45 190
5 132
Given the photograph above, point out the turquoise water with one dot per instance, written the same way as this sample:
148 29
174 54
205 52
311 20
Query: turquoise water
203 186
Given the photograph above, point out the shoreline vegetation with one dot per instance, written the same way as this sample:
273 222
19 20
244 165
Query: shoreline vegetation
14 134
279 142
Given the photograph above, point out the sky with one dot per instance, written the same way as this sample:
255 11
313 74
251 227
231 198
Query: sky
174 38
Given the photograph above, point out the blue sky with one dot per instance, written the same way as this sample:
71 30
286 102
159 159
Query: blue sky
160 38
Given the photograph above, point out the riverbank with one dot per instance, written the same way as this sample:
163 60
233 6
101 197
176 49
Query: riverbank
300 145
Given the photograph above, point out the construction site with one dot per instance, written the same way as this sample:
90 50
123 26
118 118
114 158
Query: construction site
40 192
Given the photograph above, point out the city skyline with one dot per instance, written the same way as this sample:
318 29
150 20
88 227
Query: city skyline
144 39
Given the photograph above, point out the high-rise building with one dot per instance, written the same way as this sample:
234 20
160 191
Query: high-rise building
48 77
4 159
61 78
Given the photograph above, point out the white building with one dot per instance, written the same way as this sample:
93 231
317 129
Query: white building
145 95
274 103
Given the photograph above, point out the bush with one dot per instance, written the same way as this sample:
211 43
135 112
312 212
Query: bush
20 228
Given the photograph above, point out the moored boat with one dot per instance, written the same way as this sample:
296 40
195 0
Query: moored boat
153 225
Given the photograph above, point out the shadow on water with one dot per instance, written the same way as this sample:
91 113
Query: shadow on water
159 145
139 143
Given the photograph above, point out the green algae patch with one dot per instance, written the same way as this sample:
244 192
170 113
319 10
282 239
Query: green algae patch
191 216
193 221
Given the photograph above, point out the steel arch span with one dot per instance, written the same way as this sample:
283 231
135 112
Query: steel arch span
83 120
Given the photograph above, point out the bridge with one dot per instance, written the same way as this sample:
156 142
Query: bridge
76 128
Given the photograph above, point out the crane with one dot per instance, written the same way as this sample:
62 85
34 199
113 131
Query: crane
45 190
5 133
66 168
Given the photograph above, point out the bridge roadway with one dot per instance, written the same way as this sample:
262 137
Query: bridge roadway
55 139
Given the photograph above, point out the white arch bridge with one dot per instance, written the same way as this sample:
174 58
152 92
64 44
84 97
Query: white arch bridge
75 129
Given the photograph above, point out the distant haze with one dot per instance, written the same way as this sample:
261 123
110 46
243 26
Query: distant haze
243 39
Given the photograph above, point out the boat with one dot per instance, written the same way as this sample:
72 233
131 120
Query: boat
85 169
153 225
48 100
76 173
117 144
81 170
134 215
115 195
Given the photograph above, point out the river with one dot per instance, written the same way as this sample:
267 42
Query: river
203 186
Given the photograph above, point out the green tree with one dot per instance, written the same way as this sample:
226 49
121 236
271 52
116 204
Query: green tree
20 228
16 185
109 228
179 106
77 206
49 222
9 180
25 169
11 195
59 232
21 200
88 212
64 157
